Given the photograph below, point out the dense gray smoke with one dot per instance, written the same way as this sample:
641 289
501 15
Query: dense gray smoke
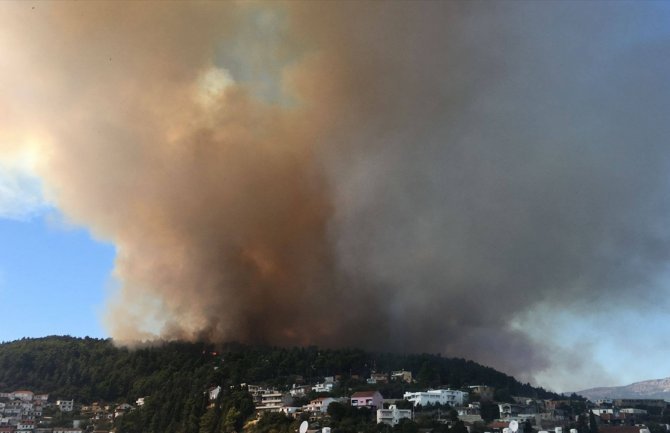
403 176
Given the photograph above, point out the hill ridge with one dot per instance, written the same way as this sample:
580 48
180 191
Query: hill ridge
647 389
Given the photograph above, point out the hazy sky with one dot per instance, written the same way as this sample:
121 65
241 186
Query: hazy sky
486 180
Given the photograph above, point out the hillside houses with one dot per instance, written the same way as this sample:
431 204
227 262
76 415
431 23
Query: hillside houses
467 407
23 411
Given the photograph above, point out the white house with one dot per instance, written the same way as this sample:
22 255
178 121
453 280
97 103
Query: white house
392 415
435 396
273 401
599 412
632 411
290 410
65 405
402 375
299 391
121 409
23 395
319 405
214 393
323 387
326 386
25 425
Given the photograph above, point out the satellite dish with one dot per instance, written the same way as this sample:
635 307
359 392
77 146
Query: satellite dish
514 426
303 427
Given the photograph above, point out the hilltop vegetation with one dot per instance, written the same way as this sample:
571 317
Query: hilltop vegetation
175 375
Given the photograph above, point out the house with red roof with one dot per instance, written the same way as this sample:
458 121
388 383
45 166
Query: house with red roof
319 404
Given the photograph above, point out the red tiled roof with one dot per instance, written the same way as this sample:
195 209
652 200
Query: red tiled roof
618 429
364 394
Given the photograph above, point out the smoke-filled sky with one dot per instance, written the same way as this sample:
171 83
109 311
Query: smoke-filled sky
483 180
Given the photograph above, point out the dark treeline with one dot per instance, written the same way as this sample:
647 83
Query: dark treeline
175 375
88 369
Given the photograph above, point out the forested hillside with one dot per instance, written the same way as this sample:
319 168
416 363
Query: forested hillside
175 375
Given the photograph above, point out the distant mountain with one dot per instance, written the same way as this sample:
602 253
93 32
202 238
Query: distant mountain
651 389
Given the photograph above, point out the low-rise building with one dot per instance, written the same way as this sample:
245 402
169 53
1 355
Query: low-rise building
273 401
213 393
319 405
485 393
299 390
378 378
290 410
23 395
392 415
370 399
65 405
402 375
633 411
437 396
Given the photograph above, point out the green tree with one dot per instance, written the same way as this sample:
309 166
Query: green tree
489 411
336 411
230 421
527 427
209 421
452 415
406 426
404 404
458 427
582 425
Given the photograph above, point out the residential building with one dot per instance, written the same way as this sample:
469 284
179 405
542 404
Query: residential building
437 396
214 392
122 409
290 410
369 399
485 393
272 401
633 411
319 405
402 375
508 410
598 412
323 387
635 402
378 378
326 386
25 426
299 390
23 395
392 415
65 405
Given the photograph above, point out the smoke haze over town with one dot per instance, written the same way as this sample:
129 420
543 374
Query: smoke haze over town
483 180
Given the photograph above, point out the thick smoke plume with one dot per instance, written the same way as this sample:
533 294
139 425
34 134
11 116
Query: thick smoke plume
403 176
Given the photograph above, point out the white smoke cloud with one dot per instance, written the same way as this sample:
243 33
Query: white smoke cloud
21 195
